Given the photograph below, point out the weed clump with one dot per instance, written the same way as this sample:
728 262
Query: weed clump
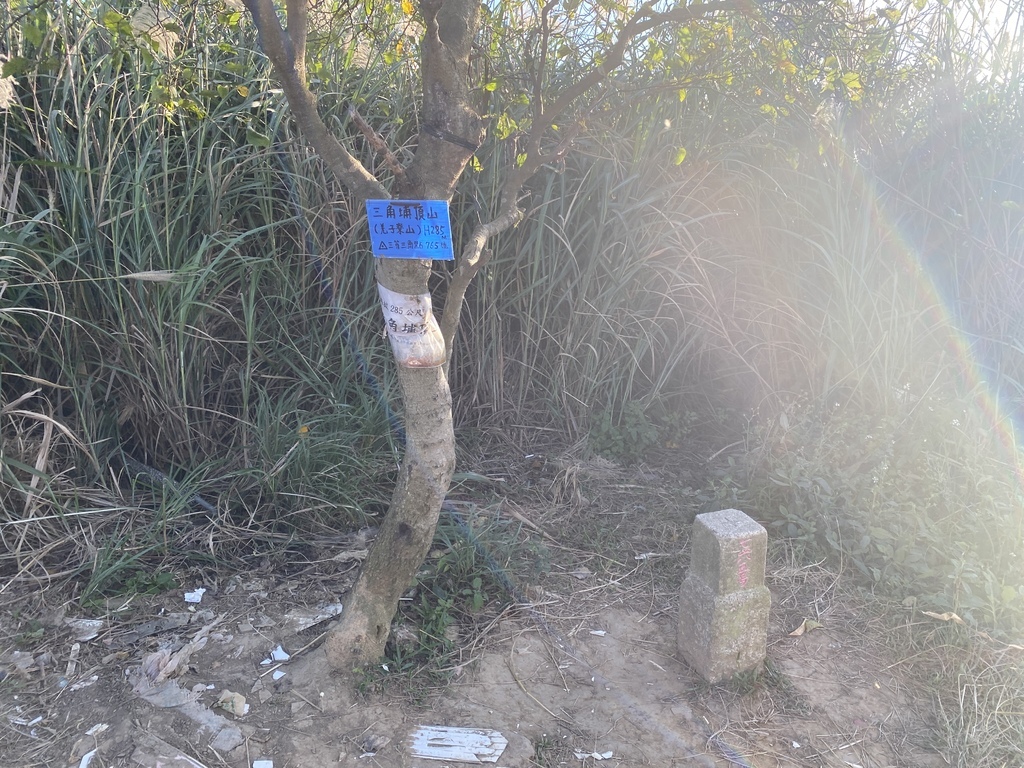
462 589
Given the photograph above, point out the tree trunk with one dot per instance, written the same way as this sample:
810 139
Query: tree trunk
450 132
405 536
407 532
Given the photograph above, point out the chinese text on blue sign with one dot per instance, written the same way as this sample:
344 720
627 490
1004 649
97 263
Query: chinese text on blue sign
410 229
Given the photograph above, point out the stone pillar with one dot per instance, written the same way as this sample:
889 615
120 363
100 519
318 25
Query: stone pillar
723 604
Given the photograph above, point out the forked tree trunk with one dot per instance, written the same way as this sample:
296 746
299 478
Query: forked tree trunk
450 130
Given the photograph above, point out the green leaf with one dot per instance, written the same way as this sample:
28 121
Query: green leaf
680 156
230 18
116 23
504 126
33 34
682 94
491 85
163 95
16 66
257 139
655 53
853 85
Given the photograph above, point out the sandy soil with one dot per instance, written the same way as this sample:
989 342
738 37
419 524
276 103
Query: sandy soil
586 674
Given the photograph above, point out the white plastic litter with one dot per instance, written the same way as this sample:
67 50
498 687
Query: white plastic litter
84 683
84 629
594 755
466 745
196 595
72 665
277 655
302 619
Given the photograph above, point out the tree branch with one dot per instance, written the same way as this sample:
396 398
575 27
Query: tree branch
644 20
298 26
280 48
473 257
472 260
450 131
378 144
538 81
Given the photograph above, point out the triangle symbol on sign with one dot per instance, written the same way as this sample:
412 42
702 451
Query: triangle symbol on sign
383 246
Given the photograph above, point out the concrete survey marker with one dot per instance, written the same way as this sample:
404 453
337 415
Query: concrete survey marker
723 603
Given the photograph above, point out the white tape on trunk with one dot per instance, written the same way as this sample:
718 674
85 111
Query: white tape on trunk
416 339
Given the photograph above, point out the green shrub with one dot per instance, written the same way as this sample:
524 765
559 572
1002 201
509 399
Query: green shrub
623 436
917 494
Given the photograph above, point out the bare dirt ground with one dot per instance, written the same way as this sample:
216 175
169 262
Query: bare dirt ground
584 671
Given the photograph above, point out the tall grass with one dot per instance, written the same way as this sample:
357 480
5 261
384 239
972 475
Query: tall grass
585 306
874 439
163 219
847 273
171 364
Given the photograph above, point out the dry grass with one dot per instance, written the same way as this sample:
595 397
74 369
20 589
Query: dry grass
958 702
943 688
976 685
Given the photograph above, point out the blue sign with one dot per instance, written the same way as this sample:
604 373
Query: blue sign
410 229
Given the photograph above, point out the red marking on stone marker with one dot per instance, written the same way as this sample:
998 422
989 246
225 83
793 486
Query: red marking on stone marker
743 560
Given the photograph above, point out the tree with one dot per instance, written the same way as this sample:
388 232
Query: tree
450 130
